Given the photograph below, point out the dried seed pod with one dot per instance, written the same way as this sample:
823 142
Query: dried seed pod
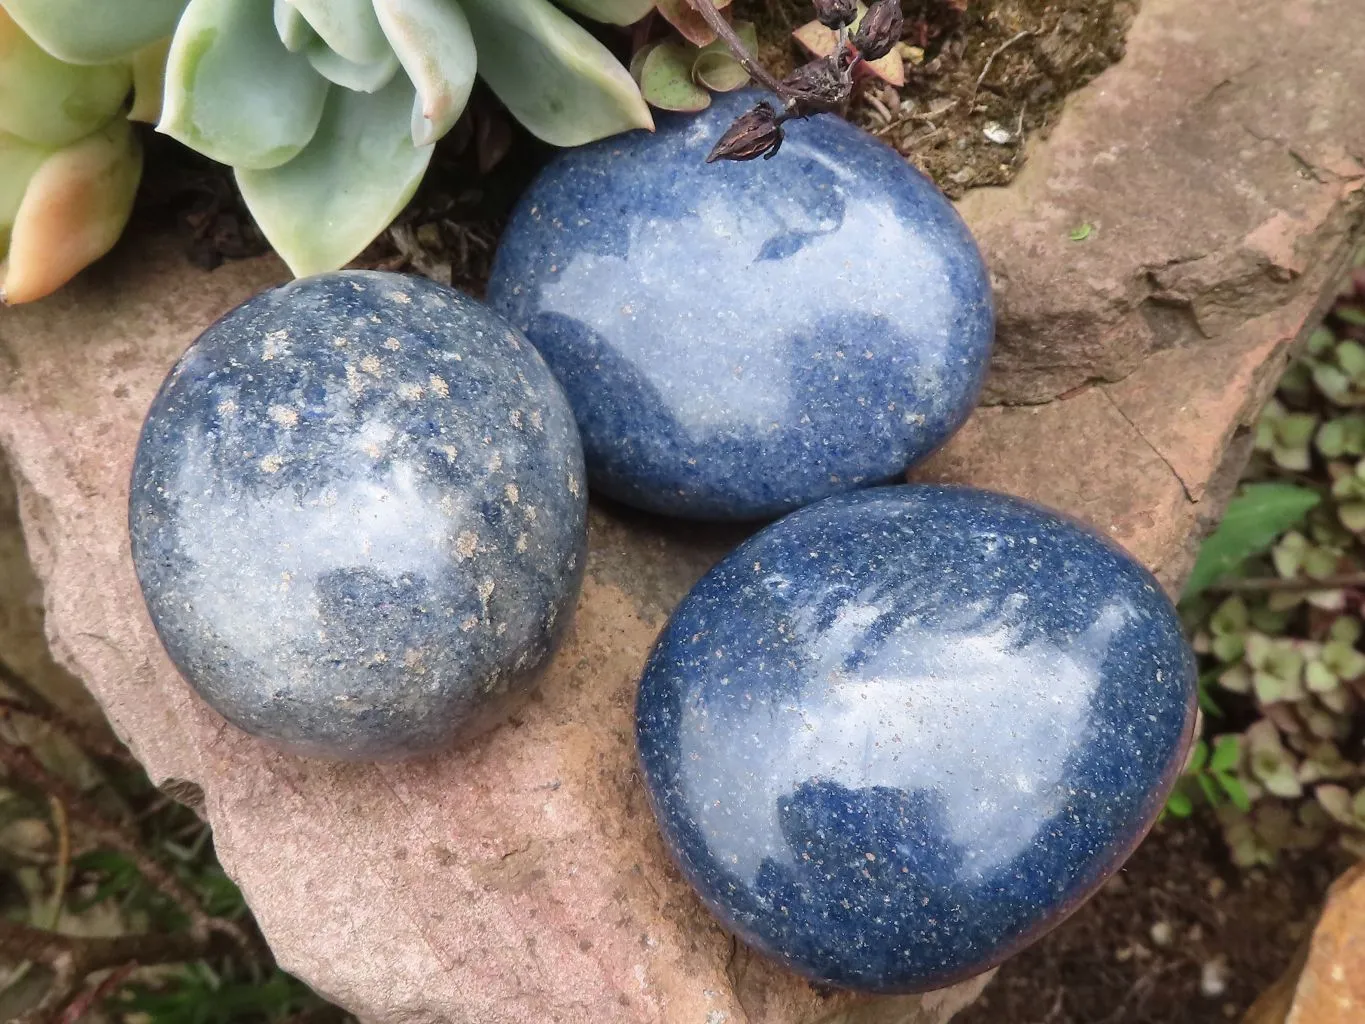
754 134
880 29
836 14
820 86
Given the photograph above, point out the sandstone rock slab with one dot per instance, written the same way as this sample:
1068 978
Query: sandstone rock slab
1326 982
1220 166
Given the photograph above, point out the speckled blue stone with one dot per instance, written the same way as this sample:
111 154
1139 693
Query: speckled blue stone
358 515
738 340
900 734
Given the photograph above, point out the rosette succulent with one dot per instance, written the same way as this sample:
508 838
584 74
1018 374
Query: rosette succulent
69 161
327 110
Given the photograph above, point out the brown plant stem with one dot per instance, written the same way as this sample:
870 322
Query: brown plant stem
88 739
77 1010
1295 585
123 839
71 959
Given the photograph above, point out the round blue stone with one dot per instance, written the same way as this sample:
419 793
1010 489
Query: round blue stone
740 339
358 515
900 734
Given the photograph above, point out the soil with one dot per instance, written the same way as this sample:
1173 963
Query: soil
1179 936
981 82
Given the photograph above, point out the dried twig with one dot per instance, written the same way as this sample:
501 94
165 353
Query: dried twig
986 70
71 959
1294 585
63 867
92 741
77 1010
122 839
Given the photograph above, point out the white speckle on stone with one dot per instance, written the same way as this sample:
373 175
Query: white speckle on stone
466 544
537 420
439 385
451 452
495 463
392 344
354 382
340 342
468 623
486 590
523 542
370 364
513 493
284 416
515 417
530 513
271 464
274 344
573 485
409 392
227 408
402 298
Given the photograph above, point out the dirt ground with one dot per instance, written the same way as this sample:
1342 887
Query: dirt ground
1179 936
991 77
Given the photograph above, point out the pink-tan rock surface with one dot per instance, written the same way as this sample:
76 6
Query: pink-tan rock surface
1220 167
1326 982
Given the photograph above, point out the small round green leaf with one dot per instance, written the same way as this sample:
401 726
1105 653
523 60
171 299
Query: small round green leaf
716 67
1180 805
666 79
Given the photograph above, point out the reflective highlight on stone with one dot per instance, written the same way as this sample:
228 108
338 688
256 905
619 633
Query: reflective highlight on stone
900 734
358 515
739 339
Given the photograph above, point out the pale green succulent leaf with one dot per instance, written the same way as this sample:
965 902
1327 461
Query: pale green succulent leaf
149 81
233 92
51 103
95 31
347 74
292 27
348 26
326 205
557 80
19 161
433 41
74 208
613 12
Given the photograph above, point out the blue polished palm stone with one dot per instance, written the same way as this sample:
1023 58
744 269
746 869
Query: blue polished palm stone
900 734
358 515
740 339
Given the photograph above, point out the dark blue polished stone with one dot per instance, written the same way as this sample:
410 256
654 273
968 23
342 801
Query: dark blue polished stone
738 340
900 734
358 515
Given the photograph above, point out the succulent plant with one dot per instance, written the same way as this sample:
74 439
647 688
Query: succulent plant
680 75
69 160
1281 647
327 110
